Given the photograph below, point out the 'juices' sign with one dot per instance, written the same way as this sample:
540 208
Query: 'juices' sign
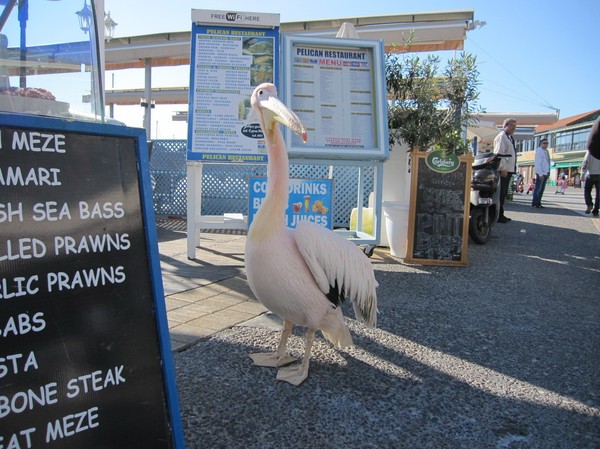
309 200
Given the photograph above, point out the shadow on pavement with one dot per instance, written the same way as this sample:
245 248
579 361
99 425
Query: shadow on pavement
502 353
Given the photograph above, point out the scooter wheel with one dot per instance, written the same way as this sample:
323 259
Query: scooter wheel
479 230
368 250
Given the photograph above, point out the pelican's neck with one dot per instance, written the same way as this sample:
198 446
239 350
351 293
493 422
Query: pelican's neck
278 176
270 216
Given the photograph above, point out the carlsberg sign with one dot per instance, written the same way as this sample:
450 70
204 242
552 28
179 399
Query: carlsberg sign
442 161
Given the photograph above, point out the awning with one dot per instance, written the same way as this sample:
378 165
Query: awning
569 160
427 32
568 164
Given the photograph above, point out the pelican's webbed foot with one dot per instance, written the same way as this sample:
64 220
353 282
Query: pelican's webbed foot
294 375
271 359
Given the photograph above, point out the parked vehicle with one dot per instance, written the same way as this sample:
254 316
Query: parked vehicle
485 196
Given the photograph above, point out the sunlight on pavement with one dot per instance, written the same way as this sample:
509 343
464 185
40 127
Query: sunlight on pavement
476 376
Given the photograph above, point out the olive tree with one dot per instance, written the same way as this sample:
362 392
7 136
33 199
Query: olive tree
426 109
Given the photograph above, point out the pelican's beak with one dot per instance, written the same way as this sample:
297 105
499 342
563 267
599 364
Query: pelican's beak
284 115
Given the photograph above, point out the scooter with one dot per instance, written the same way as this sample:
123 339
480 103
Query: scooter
485 196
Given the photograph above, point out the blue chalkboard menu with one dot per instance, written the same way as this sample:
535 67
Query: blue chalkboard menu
439 213
85 357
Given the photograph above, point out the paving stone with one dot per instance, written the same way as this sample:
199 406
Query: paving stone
195 294
206 307
178 345
222 319
223 300
184 314
173 303
191 332
252 307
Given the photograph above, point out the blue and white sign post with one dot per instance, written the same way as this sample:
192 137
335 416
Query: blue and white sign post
231 53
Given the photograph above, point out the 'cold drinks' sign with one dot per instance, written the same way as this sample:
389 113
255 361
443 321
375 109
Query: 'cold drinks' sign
310 200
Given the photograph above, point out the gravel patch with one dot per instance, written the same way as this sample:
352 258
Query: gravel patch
503 354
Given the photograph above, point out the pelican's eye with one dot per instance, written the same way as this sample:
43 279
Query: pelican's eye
260 92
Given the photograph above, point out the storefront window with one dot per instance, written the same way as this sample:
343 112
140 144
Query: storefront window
48 59
563 142
572 140
580 139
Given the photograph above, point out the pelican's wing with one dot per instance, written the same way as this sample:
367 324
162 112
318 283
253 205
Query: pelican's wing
337 263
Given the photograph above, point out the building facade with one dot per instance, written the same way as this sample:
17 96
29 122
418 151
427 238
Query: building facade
567 139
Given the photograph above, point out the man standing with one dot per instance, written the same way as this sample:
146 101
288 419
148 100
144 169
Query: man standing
542 171
591 164
505 144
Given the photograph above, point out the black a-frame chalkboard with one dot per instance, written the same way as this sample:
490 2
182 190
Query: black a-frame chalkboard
85 358
438 220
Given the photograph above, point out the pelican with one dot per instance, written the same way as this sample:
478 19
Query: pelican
302 274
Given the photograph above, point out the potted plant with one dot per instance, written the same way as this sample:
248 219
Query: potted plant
413 115
427 109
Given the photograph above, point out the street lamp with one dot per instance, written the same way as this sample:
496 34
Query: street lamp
109 26
85 17
144 103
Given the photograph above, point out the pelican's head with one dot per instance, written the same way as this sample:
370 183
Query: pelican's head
270 110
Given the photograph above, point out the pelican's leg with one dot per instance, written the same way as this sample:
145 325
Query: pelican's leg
297 374
279 358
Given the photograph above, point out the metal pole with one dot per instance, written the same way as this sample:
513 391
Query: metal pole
148 93
23 17
359 202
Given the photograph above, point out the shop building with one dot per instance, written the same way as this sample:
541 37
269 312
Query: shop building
483 133
567 139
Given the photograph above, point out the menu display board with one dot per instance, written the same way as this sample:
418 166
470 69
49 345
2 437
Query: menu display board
336 88
85 357
439 214
230 57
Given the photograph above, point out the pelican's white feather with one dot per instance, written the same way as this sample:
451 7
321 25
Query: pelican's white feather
335 261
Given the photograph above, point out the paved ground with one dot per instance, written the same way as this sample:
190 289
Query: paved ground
205 295
500 354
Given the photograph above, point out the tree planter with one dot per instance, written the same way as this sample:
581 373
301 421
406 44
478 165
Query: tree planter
396 225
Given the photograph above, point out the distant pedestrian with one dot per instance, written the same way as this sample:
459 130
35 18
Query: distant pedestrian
591 169
559 183
564 184
504 144
542 172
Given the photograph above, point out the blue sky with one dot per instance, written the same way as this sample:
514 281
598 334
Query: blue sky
532 55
